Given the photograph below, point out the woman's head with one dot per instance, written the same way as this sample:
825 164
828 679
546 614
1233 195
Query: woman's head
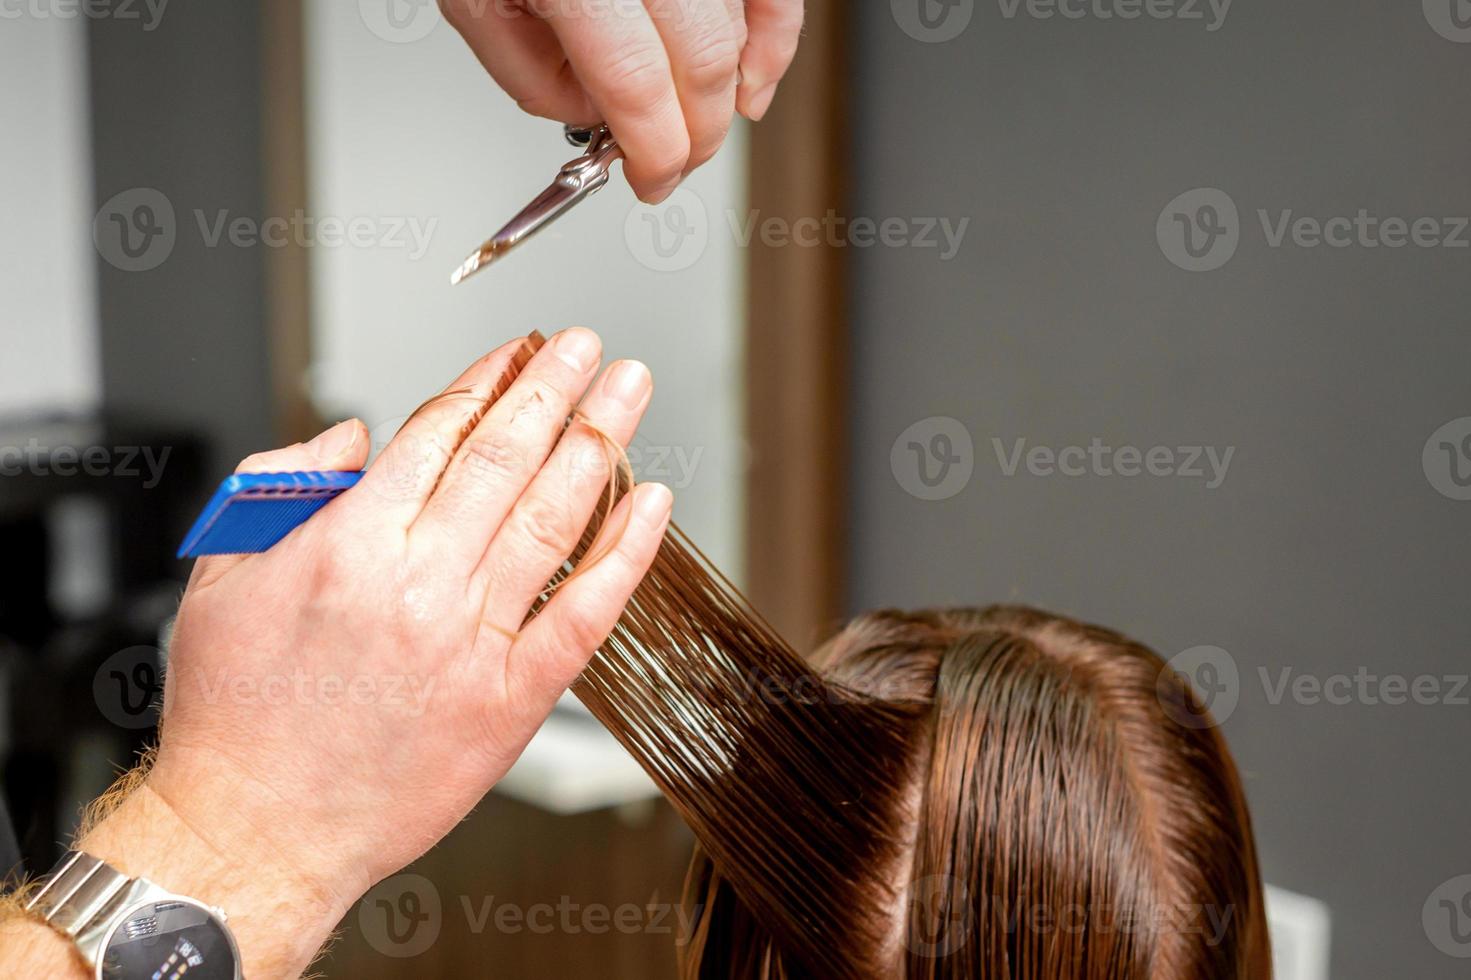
1065 810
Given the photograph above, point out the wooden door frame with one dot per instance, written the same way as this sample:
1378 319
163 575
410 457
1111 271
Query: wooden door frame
796 346
285 188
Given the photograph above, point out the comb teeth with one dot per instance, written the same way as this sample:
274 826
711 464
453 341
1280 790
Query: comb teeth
250 512
534 342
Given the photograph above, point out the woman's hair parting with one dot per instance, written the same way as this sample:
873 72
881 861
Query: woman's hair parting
944 794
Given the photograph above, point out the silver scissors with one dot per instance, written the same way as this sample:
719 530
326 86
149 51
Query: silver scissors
577 180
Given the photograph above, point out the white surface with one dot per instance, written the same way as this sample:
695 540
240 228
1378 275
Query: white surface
573 766
417 131
48 295
1301 930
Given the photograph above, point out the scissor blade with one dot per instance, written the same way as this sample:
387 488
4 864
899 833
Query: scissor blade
549 205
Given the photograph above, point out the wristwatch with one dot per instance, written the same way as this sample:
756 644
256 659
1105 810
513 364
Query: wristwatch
131 929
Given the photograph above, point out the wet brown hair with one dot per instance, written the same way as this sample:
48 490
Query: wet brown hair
1075 813
997 793
945 794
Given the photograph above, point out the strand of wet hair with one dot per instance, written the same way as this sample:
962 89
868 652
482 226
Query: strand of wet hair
788 782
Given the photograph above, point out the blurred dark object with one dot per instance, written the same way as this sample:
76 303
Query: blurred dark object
91 512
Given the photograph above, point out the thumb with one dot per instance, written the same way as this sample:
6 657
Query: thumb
344 447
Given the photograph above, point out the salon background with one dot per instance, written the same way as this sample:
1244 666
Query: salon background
1153 312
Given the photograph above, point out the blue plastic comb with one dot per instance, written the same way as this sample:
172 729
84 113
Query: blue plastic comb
252 511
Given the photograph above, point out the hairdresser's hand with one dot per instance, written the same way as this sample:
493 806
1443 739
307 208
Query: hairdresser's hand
665 75
336 705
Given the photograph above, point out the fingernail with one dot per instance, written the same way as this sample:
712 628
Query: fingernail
578 348
654 503
761 101
628 382
335 442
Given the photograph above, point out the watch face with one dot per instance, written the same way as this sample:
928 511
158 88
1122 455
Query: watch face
169 940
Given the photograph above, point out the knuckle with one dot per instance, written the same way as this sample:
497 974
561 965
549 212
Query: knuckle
414 453
587 465
545 522
489 456
581 631
339 570
636 77
539 397
420 444
499 451
715 57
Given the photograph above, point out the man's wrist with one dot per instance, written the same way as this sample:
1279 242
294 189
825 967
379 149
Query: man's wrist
278 919
29 944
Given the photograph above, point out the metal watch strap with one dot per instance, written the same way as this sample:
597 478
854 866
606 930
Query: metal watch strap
83 895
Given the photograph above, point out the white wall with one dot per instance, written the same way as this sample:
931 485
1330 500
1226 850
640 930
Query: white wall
416 129
48 300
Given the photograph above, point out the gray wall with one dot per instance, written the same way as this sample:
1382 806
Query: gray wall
176 115
1326 549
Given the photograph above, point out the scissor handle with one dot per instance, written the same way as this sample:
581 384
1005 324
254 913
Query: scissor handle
589 172
596 140
581 136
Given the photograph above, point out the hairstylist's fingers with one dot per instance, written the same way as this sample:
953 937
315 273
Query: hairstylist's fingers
342 448
774 27
557 644
500 457
618 55
704 40
547 522
523 55
402 477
